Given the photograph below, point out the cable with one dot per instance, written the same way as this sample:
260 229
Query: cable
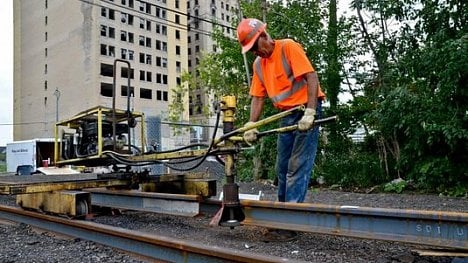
120 157
173 24
170 10
207 152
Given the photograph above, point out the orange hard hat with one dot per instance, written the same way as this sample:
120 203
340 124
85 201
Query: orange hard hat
248 30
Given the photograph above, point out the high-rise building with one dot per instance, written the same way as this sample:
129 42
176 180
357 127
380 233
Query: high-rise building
203 17
64 54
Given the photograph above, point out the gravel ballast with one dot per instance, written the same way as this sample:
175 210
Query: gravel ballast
21 243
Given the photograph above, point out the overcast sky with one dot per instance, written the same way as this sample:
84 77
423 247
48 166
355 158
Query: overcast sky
6 72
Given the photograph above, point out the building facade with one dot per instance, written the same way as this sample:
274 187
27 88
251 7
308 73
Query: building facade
64 55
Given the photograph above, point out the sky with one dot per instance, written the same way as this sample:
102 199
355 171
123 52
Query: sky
6 72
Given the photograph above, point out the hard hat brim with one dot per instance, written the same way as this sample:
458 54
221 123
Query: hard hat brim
248 46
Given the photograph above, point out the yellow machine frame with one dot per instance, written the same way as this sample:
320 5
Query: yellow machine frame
99 113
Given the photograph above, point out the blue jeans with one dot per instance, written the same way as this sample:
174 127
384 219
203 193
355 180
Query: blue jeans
295 158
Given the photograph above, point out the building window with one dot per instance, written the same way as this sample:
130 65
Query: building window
160 13
178 67
158 95
161 29
148 42
45 69
107 50
145 76
111 14
163 62
161 45
45 20
126 19
177 50
124 73
107 70
149 76
161 95
107 31
111 32
106 89
123 91
177 34
146 93
161 78
177 19
45 52
103 30
45 85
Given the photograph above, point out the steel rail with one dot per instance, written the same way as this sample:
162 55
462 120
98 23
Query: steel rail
433 228
156 247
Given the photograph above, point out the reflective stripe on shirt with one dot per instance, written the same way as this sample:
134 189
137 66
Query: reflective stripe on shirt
296 85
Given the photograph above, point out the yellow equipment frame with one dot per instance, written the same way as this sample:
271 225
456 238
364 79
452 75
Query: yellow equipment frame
99 113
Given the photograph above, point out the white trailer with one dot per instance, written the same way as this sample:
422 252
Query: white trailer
26 156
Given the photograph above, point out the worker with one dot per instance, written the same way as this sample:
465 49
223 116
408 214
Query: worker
283 72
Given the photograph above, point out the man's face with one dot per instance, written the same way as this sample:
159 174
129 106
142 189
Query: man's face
258 49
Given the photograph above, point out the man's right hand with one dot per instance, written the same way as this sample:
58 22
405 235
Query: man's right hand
250 136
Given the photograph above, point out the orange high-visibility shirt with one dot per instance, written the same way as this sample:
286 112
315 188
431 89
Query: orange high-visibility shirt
273 79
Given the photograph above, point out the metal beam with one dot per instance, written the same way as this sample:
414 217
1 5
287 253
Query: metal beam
173 204
437 228
158 247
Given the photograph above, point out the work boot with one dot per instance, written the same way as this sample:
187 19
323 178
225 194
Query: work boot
279 235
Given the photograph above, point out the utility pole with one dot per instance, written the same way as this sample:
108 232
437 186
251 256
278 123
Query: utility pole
57 95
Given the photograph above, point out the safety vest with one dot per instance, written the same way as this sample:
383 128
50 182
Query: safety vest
295 86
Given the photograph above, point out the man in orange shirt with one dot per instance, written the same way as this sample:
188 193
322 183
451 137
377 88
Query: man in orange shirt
283 72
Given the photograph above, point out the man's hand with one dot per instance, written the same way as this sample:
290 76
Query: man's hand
250 136
307 121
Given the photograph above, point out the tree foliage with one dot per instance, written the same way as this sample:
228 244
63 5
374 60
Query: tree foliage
404 66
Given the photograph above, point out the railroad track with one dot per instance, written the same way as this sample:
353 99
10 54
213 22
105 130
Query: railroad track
370 223
158 248
433 228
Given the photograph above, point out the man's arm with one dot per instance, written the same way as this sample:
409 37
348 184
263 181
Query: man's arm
256 108
312 89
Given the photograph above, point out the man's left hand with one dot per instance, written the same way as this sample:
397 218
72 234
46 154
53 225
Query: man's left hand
307 121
